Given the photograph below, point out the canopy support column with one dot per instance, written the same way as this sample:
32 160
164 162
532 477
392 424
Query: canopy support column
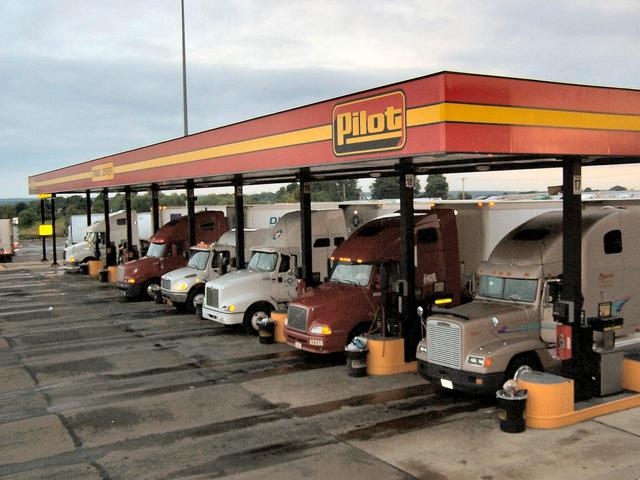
53 226
239 204
127 206
44 239
579 367
155 208
305 227
409 318
88 206
191 212
107 230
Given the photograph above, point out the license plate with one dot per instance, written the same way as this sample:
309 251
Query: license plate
446 383
298 345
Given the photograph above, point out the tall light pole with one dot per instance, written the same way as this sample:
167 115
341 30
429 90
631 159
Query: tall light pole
184 76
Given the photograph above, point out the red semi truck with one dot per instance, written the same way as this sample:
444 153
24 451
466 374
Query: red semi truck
366 268
168 250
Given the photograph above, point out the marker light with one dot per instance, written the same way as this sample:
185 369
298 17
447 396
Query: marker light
443 301
182 286
132 280
320 330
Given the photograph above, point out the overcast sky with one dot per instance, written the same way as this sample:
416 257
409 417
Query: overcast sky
85 79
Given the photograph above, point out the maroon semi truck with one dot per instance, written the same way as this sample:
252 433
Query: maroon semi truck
168 250
366 267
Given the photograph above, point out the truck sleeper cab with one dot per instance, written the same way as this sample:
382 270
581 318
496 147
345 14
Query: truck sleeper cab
270 279
366 267
477 346
184 287
167 251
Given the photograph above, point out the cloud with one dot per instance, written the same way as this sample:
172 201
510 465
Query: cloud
86 79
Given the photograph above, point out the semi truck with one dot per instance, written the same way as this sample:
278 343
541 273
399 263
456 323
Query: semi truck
184 287
77 228
7 247
475 347
270 279
168 250
93 246
363 287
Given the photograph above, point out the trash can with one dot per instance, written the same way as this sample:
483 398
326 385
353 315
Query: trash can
266 329
104 276
511 410
356 362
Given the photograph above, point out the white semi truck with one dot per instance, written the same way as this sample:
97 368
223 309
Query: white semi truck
270 281
184 287
478 345
7 247
93 245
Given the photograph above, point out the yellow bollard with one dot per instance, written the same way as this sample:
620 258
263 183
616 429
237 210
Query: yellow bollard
279 318
94 267
113 274
386 356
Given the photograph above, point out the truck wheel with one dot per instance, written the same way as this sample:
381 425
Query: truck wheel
253 315
148 289
529 359
194 297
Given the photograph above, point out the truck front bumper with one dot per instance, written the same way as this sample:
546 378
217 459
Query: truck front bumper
315 343
130 290
461 380
226 318
174 297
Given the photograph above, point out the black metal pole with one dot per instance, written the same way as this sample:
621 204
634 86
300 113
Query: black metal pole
127 206
305 227
191 212
409 318
44 239
239 204
155 207
88 208
579 367
53 227
107 230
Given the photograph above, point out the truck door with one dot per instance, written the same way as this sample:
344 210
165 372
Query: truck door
285 284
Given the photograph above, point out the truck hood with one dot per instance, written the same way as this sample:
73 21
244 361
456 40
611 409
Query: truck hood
512 318
181 273
239 277
143 264
336 295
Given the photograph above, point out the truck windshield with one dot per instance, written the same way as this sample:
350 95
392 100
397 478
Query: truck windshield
263 261
156 250
199 259
353 274
516 289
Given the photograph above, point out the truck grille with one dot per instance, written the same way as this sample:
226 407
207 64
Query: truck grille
212 297
297 318
165 283
444 343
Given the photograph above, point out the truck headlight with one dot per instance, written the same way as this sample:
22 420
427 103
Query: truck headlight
182 286
422 348
320 330
131 280
229 308
72 259
480 361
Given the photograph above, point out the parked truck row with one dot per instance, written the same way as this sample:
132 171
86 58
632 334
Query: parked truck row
486 274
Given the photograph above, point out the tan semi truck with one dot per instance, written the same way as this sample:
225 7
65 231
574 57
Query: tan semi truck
478 345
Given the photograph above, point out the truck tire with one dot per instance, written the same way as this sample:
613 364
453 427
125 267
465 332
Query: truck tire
529 359
255 312
147 289
194 297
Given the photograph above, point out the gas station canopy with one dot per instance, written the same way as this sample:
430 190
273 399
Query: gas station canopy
446 122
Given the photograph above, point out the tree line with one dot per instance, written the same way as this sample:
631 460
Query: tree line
28 213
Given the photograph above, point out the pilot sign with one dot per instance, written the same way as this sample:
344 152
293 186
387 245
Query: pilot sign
371 124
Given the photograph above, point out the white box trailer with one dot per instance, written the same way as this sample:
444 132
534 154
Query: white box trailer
6 240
